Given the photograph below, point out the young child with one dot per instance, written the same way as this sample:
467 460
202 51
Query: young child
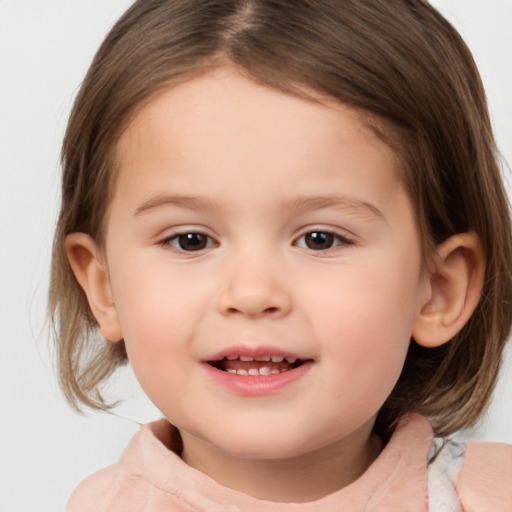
289 218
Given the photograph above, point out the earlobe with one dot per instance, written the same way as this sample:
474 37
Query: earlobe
455 285
91 273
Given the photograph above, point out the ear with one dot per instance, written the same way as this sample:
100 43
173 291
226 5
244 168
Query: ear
91 273
455 286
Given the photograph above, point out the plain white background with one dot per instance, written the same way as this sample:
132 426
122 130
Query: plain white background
45 48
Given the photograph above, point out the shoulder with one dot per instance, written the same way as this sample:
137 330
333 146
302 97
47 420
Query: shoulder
92 492
113 489
473 476
485 480
130 482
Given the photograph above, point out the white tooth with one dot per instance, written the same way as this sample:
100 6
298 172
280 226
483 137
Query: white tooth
254 372
242 372
232 358
246 358
262 358
291 360
264 370
277 359
273 372
231 371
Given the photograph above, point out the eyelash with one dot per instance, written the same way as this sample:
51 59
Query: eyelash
177 237
178 240
331 236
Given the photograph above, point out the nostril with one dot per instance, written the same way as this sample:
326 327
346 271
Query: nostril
269 311
253 302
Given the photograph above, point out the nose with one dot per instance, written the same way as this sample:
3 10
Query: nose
254 288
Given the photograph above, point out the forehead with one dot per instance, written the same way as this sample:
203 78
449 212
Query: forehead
222 119
223 135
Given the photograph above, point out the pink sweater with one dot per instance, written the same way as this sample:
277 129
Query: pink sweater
151 477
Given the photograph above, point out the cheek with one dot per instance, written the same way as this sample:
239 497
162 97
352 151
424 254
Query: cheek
157 312
370 348
367 323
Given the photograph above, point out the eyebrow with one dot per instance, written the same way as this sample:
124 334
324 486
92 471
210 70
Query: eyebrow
300 204
189 202
336 202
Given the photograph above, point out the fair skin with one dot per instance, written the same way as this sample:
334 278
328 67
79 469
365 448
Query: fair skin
249 223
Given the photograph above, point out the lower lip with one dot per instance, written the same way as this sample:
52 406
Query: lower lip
257 385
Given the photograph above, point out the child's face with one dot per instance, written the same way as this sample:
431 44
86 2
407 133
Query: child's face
302 243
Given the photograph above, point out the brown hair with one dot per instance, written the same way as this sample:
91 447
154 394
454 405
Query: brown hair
399 61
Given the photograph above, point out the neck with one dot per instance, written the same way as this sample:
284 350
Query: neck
303 478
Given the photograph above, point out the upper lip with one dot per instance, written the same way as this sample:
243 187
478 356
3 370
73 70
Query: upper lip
254 352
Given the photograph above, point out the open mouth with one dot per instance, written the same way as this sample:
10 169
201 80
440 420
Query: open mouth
255 366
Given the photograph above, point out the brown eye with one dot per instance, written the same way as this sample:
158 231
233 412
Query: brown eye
321 241
190 242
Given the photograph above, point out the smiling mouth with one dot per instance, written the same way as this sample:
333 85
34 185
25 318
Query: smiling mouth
255 366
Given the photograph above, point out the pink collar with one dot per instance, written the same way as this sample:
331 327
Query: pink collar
395 482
